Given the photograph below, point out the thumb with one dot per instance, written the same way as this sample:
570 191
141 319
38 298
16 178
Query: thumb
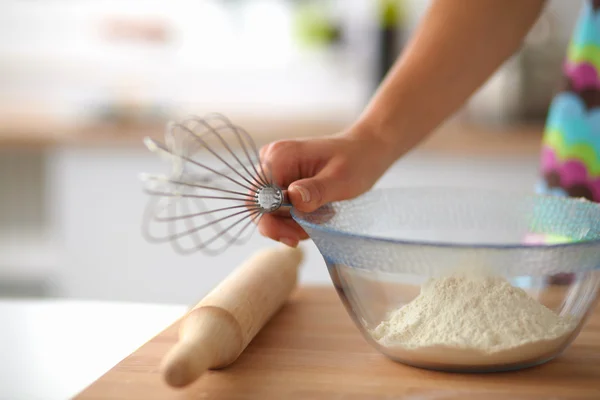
309 194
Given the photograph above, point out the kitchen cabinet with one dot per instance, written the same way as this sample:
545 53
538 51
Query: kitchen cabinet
99 203
71 217
27 244
100 207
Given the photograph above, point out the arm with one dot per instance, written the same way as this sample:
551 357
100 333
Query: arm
456 48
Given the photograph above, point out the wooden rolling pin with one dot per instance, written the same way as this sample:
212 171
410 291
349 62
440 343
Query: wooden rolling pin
217 329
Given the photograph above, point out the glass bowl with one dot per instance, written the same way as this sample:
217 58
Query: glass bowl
462 280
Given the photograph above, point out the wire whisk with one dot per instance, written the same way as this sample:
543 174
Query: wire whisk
216 190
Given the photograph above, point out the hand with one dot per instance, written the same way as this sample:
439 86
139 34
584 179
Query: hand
318 171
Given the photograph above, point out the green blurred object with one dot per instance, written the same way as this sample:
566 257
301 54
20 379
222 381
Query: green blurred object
391 13
314 26
557 239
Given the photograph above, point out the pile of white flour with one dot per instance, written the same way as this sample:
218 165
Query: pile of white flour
473 321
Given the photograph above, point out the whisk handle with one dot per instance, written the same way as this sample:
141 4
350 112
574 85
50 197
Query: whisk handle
285 202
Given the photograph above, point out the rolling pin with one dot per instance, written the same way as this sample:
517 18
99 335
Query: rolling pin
216 331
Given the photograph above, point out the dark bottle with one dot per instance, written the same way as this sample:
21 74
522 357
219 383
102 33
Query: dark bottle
390 15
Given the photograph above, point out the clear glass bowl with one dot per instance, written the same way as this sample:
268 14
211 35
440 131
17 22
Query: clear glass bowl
381 247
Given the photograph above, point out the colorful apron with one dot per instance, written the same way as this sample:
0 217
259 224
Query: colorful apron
570 155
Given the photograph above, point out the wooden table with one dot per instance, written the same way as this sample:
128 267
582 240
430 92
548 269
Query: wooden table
312 350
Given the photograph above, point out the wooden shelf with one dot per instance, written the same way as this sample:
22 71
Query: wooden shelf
468 139
455 137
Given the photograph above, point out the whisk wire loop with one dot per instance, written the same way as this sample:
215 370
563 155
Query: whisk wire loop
212 210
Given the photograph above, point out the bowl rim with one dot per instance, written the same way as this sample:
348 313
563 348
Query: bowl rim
296 215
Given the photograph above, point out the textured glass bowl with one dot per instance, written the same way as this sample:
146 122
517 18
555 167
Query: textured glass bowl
382 246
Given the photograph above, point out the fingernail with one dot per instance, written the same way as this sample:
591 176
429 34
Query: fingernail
304 193
289 242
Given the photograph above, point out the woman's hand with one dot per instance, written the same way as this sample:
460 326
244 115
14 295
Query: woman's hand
318 171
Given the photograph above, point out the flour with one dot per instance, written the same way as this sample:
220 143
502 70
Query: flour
473 321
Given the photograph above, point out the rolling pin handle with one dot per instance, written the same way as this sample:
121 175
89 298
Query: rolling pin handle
201 346
184 364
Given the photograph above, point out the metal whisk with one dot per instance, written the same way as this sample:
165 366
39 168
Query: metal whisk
216 191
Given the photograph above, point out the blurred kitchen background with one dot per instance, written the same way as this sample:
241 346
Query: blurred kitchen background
82 82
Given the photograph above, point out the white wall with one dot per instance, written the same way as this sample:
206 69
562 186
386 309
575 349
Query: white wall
56 54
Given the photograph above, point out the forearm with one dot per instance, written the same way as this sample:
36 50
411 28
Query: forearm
456 48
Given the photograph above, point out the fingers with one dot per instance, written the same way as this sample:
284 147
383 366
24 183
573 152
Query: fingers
281 159
312 179
309 194
284 160
264 151
284 230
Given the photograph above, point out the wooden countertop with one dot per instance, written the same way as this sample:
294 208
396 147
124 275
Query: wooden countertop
312 350
455 137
